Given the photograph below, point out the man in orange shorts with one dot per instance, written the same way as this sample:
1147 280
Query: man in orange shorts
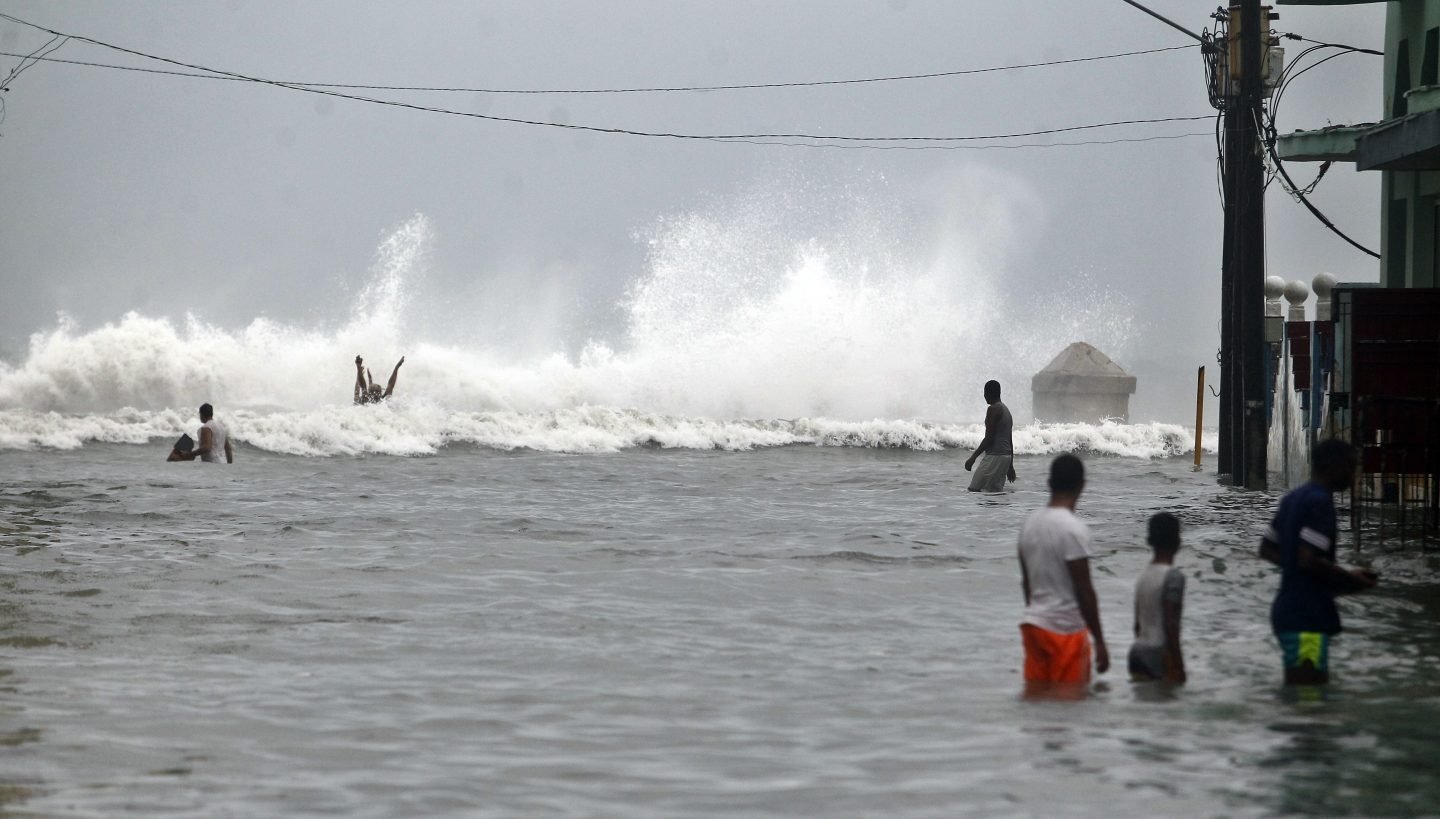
1061 613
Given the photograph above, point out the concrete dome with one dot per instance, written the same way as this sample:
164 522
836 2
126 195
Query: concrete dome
1082 384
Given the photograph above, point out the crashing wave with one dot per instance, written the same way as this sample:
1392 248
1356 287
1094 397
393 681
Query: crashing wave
421 428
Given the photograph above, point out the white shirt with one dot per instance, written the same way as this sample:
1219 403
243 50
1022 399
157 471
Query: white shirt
216 455
1050 538
1158 584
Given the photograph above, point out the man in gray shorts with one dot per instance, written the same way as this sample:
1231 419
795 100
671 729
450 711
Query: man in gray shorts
999 452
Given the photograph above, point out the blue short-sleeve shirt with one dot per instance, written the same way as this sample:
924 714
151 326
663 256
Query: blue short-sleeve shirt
1304 602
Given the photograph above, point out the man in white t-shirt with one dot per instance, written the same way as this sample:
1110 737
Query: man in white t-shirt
1061 612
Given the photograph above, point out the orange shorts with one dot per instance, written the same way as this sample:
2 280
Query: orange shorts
1053 657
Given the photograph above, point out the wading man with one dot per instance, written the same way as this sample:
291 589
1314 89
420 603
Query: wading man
1061 612
999 452
213 441
1301 541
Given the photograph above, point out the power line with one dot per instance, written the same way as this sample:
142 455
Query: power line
27 61
1287 76
975 147
1167 21
593 128
1335 45
1300 196
639 90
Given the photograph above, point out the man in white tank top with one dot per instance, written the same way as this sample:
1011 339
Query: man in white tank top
213 441
998 449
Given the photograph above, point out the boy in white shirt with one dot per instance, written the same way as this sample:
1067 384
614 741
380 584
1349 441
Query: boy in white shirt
1159 598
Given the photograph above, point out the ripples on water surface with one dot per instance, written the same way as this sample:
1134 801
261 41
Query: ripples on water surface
798 630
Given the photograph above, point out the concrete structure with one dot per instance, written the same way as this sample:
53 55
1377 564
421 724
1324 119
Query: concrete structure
1082 384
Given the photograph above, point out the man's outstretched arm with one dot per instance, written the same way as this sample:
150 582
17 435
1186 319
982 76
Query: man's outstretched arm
395 373
359 380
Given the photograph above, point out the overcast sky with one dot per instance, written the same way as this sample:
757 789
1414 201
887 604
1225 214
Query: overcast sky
126 191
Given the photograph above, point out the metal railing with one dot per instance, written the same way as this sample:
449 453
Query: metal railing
1396 497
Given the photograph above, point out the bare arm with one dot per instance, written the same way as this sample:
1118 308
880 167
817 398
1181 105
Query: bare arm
229 452
359 380
1340 580
1025 580
1309 559
395 373
207 443
1089 609
1174 660
992 417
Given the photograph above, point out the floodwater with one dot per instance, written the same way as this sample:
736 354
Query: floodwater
796 630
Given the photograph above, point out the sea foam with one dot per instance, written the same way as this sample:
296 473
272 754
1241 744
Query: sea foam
421 428
737 336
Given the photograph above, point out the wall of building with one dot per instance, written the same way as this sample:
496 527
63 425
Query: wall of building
1086 408
1410 200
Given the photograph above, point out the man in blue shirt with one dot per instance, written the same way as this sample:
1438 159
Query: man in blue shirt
1301 541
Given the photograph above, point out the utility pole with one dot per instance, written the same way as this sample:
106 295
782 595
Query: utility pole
1244 425
1238 88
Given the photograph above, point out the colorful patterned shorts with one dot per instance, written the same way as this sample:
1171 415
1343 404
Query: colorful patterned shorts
1300 647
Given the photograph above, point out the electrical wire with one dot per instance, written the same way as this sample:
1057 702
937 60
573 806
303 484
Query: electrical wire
1268 129
640 90
1336 45
1295 191
1286 77
973 147
27 61
595 128
1220 156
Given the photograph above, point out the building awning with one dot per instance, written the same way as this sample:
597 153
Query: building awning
1334 144
1411 143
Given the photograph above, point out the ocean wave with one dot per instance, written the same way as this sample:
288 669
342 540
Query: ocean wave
422 428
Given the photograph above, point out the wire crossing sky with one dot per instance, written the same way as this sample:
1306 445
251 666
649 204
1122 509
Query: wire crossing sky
643 90
814 140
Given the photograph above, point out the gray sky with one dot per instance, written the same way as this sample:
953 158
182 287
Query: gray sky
123 191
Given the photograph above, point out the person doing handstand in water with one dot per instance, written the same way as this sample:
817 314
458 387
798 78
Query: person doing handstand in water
366 390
